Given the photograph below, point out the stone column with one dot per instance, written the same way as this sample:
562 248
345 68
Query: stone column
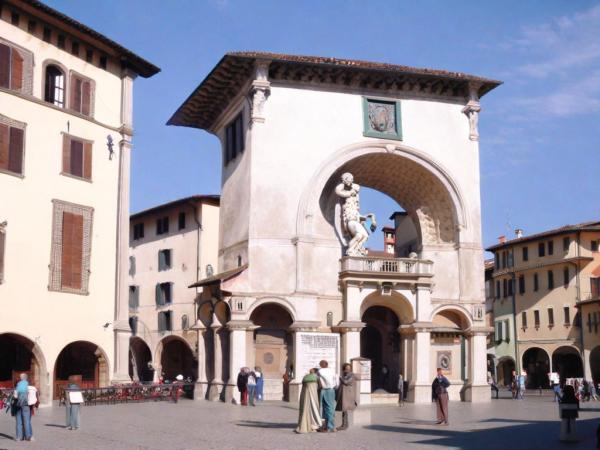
237 356
350 339
353 299
418 337
201 382
121 327
216 385
477 389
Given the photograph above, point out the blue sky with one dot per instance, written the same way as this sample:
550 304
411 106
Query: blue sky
540 131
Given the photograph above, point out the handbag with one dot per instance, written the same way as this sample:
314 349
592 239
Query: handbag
14 406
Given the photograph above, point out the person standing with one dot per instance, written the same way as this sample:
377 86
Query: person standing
251 387
400 390
260 383
493 384
346 399
440 394
521 384
73 400
23 413
328 382
242 385
33 402
556 389
514 385
309 416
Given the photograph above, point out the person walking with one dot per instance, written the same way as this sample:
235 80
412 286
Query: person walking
251 388
309 416
556 389
23 413
521 385
400 390
440 395
33 402
328 382
346 398
514 385
73 401
242 385
260 383
493 384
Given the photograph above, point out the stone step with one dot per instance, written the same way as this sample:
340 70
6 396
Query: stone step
383 398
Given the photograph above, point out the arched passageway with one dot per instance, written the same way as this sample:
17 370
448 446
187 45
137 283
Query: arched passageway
537 365
380 342
140 361
16 357
595 364
83 363
567 362
176 358
448 343
273 348
504 370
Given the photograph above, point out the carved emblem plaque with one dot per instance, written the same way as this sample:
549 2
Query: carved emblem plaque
382 118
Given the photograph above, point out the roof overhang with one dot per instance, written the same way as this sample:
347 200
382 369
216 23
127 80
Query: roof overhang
219 277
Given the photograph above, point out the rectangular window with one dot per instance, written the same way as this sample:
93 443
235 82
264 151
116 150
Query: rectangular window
567 312
525 253
31 26
81 95
164 259
163 293
521 284
12 66
589 321
510 259
61 41
103 62
181 220
89 55
164 321
497 289
499 326
566 243
47 34
536 282
524 319
507 331
497 260
132 265
504 260
550 317
536 318
75 48
134 297
162 225
594 246
234 138
511 286
505 288
541 249
595 322
550 280
12 145
14 18
138 231
77 157
2 247
566 277
551 247
71 247
595 287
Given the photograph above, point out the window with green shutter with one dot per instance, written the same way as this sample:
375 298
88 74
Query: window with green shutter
134 297
164 259
132 265
163 293
159 295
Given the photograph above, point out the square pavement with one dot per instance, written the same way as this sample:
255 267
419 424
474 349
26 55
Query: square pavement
502 424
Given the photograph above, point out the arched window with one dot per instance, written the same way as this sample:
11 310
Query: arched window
55 86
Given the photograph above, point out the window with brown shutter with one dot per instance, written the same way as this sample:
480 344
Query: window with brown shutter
16 67
81 95
2 245
77 157
12 140
72 250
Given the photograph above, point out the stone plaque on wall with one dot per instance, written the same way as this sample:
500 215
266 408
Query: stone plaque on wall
444 361
313 347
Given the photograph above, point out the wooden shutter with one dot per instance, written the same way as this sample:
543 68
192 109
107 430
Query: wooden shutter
16 70
86 97
161 321
161 260
5 66
75 102
15 151
72 250
76 158
66 154
159 295
87 160
4 146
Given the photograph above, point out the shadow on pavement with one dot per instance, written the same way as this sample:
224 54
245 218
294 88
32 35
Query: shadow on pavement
55 425
257 424
6 436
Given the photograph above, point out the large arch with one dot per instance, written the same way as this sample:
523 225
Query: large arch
536 362
419 184
456 316
140 360
82 362
20 354
272 347
176 357
504 370
567 361
396 302
284 303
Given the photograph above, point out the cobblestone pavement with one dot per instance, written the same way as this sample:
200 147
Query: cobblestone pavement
502 424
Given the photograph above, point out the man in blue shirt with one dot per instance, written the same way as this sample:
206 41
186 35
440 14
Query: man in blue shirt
23 416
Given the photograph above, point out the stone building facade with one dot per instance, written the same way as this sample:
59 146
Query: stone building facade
65 143
289 127
545 303
171 247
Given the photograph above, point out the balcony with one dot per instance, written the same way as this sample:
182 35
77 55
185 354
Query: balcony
386 269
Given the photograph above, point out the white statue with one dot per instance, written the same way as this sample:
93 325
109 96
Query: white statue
351 220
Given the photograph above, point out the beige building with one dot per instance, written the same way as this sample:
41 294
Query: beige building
546 280
171 247
65 143
290 288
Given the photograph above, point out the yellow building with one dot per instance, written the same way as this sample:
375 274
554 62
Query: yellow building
548 277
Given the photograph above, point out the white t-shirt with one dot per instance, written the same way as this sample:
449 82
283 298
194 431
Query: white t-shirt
251 380
328 378
31 395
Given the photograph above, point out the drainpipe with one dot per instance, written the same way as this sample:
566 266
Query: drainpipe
198 232
578 299
514 308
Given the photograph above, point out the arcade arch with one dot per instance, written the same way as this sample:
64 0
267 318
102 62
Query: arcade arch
566 360
176 358
537 365
81 362
19 354
140 360
504 369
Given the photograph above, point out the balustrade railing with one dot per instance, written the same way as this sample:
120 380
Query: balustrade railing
132 393
387 265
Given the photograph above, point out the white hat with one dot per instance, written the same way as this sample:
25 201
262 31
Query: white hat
179 377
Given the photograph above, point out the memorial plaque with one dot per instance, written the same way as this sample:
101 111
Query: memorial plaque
314 347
